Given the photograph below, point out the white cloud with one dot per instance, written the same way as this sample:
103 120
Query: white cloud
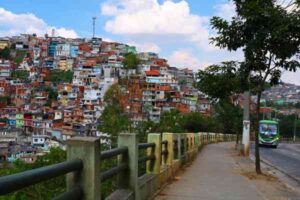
225 10
184 58
146 47
149 17
291 77
14 24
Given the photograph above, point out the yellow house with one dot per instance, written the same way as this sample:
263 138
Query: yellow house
4 43
63 65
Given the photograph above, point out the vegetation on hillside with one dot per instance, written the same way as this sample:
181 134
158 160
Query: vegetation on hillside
58 76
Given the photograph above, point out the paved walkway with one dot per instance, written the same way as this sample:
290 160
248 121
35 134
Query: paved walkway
215 175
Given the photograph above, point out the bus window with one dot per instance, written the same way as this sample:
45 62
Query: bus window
268 129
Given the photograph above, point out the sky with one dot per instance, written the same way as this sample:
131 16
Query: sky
179 30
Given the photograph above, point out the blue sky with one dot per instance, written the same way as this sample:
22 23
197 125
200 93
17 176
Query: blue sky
178 30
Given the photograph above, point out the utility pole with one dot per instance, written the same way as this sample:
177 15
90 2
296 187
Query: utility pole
94 24
246 125
295 127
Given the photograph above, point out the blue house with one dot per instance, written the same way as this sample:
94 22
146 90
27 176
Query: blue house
52 48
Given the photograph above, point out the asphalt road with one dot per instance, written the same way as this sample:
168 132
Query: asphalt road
286 158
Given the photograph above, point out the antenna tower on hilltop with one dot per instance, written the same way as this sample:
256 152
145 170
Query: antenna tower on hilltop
94 24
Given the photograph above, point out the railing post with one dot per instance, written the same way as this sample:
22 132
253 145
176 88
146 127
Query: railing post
88 150
154 165
179 154
168 159
129 178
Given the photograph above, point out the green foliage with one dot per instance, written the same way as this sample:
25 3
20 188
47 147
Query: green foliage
113 121
196 122
52 94
220 81
60 76
42 191
110 185
20 74
287 124
5 99
5 53
175 122
131 61
170 122
143 128
112 95
269 35
20 55
230 116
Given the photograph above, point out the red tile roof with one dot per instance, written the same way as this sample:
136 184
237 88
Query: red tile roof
152 73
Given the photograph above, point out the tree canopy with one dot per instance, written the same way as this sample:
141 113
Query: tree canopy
269 36
131 61
5 53
20 74
113 120
220 82
60 76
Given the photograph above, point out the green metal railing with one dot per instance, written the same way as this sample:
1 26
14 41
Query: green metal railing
21 180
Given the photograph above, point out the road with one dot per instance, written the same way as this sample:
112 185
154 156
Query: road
286 158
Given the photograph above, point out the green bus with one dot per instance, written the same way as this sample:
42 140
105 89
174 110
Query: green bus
269 133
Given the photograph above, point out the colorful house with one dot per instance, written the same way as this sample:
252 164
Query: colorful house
19 120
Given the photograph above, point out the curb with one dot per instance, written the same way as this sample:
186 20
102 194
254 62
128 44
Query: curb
276 168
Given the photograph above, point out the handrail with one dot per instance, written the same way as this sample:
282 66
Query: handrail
165 142
113 171
75 193
146 158
146 145
113 152
21 180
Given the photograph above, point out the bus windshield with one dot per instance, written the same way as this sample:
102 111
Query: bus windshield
268 129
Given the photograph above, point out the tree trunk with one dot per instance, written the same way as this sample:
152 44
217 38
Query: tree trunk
257 155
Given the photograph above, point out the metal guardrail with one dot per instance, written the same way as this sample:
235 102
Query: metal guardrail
113 171
75 193
105 175
21 180
146 145
146 158
113 152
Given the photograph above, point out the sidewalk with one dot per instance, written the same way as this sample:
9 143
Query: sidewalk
218 173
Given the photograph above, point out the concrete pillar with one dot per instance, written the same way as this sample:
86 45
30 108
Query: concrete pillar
178 136
154 166
129 179
88 150
196 136
170 148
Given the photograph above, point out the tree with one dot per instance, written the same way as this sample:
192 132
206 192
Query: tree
45 190
269 35
113 120
170 121
131 61
196 122
221 83
20 74
5 53
60 76
52 94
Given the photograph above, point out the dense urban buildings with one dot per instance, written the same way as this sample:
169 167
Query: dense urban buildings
53 88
